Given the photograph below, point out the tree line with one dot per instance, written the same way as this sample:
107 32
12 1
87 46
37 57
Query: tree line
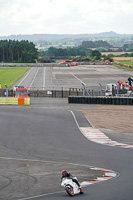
77 52
85 49
17 51
59 52
95 44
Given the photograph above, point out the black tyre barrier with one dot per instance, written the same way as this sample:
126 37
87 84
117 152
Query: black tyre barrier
118 101
130 102
107 100
101 100
70 100
114 101
98 100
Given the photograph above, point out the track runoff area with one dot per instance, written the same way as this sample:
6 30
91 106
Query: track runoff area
93 77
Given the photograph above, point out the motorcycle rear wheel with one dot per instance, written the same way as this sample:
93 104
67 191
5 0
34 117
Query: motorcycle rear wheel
69 190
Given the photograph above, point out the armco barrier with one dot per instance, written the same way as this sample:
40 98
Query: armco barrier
14 101
101 100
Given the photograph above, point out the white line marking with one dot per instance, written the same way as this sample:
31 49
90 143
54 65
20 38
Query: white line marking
112 174
84 183
44 79
34 78
44 161
75 119
42 195
77 78
25 76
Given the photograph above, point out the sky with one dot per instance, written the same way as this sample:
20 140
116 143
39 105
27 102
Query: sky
65 16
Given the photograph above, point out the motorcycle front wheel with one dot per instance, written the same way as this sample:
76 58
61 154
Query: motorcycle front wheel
81 191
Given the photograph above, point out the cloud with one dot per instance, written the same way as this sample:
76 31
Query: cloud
71 16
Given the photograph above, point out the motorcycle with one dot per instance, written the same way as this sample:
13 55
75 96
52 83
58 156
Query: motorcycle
71 187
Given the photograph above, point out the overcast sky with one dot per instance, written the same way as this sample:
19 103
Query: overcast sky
65 16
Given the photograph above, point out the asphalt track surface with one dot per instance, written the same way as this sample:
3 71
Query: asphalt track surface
48 133
56 78
42 139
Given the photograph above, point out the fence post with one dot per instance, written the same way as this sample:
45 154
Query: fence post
62 92
69 91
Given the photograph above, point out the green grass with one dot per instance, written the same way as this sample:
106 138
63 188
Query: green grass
122 67
127 62
9 75
19 64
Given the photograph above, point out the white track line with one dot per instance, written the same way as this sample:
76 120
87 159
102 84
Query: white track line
41 195
34 78
25 77
75 119
77 78
44 79
108 174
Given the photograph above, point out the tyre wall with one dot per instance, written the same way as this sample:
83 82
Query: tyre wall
101 100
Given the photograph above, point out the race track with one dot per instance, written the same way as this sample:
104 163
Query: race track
38 141
35 135
56 78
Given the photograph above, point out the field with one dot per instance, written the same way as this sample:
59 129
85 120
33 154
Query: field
123 58
9 75
114 53
127 62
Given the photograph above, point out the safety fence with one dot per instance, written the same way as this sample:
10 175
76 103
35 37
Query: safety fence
60 93
49 64
54 93
3 93
101 100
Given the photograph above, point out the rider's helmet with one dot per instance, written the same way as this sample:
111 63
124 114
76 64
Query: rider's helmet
64 173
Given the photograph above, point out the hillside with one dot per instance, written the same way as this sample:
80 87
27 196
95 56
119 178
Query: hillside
44 41
36 37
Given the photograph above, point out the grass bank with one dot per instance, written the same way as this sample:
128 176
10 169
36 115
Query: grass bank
124 62
127 62
9 75
123 66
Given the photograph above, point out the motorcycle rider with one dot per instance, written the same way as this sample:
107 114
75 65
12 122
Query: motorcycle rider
65 174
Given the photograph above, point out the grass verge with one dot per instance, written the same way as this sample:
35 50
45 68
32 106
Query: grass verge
9 75
122 66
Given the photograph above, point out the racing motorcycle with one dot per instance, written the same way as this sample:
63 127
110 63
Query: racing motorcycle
71 187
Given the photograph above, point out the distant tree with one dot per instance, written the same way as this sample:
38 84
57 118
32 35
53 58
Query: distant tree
125 47
81 59
109 57
59 52
130 47
52 51
88 44
15 51
96 55
95 44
